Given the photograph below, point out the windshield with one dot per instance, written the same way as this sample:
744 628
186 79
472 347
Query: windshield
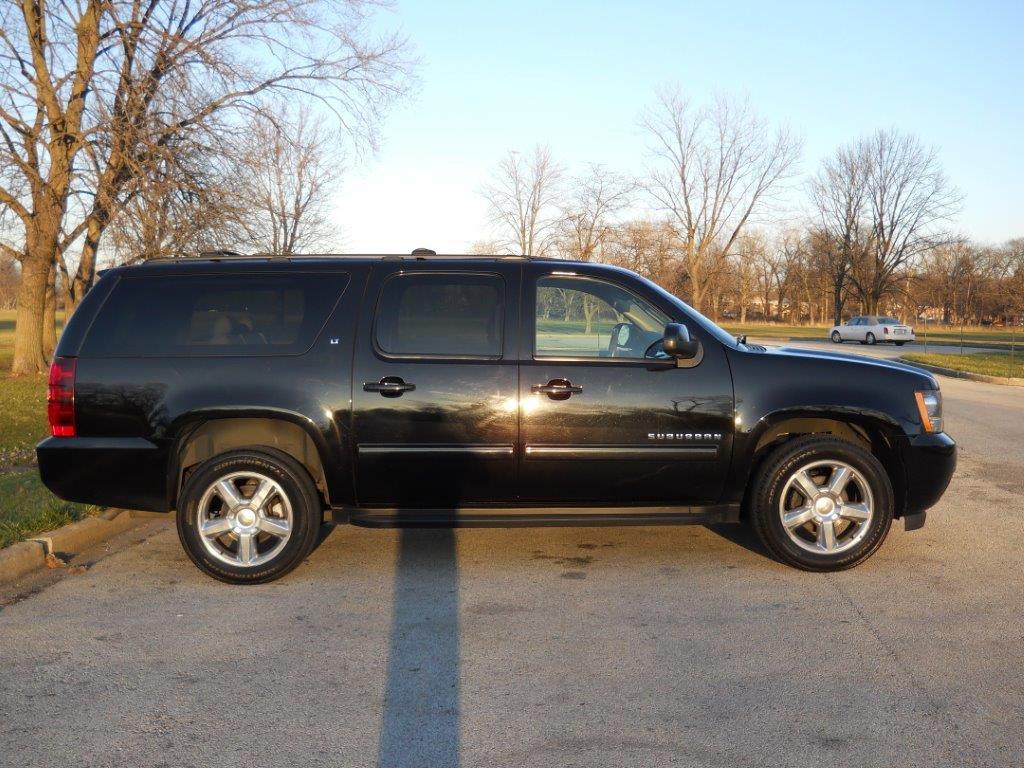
719 333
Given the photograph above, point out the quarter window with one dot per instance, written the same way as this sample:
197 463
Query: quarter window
441 315
213 315
583 317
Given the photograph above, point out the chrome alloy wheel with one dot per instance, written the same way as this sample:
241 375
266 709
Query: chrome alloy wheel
826 507
245 519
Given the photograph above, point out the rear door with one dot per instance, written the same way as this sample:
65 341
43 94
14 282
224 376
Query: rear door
604 420
434 395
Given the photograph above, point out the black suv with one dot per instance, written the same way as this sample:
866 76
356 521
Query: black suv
258 396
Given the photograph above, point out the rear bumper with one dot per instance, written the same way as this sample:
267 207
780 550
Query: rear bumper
929 461
126 472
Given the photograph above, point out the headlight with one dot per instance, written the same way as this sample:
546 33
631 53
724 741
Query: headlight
929 405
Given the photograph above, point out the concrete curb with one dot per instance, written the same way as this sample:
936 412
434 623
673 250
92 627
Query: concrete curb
26 556
21 558
1005 381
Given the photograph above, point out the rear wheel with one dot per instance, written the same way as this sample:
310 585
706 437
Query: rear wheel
822 504
249 516
836 338
899 343
870 338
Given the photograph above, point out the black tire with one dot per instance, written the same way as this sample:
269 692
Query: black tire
836 338
771 481
870 339
899 343
296 485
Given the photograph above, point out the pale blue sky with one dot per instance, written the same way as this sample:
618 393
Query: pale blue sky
575 75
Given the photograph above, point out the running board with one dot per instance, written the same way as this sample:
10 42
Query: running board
515 517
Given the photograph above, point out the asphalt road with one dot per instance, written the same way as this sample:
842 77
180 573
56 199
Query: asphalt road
547 647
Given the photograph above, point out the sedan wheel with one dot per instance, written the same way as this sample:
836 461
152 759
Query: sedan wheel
836 338
870 338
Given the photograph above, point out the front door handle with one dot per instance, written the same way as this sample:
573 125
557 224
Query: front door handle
389 386
557 389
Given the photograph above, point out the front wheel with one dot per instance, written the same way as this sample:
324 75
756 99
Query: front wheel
836 338
899 343
822 504
249 516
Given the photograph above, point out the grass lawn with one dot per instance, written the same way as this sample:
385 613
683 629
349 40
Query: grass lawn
26 507
987 363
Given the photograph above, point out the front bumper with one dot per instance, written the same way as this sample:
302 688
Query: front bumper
128 472
929 461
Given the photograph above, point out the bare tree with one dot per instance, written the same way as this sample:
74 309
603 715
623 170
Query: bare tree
713 168
179 208
523 198
646 247
588 213
910 201
288 171
841 199
101 91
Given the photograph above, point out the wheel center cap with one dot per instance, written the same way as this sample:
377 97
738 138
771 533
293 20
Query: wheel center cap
246 517
824 506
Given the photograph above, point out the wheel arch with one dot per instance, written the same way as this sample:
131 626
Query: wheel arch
876 435
219 434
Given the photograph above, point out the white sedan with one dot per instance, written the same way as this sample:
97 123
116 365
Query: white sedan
872 329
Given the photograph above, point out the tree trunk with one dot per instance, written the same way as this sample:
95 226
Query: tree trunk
837 305
50 314
28 328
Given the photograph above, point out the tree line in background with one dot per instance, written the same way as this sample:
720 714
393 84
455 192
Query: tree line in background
155 127
138 129
875 235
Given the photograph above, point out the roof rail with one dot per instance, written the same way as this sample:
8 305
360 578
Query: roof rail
222 256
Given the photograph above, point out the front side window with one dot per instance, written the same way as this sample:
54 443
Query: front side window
441 315
213 315
582 317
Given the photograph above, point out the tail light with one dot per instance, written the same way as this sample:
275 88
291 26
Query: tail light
60 397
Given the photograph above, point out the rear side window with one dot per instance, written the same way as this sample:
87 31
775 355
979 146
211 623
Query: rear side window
441 315
205 315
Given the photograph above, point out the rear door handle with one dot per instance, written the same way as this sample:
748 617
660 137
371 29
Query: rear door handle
557 389
389 386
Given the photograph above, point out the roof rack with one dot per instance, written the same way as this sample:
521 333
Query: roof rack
420 254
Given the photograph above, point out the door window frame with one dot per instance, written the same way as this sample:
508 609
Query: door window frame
531 322
397 274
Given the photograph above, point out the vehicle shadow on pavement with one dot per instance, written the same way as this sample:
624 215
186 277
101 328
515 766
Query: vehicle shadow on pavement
741 534
421 702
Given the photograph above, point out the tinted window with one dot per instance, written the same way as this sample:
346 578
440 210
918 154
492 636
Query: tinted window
888 321
159 315
581 317
445 315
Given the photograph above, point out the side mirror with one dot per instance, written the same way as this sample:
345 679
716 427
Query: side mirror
677 342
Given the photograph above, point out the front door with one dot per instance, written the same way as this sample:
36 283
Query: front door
606 419
434 386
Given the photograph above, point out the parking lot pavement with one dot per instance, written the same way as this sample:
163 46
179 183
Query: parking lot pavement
547 647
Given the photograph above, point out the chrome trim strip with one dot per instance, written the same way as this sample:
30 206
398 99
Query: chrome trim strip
642 452
382 449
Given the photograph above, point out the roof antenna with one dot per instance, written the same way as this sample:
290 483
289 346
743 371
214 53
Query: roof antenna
422 253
